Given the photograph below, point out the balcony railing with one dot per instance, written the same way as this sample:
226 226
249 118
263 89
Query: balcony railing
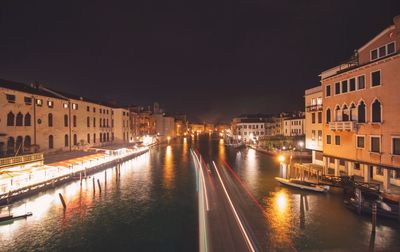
316 107
343 126
11 161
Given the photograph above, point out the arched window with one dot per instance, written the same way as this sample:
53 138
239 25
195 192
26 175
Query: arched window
94 138
361 112
19 119
65 120
345 113
328 115
353 112
10 119
338 114
88 121
51 142
88 138
18 144
74 120
66 140
27 143
10 145
27 120
376 111
75 140
50 119
101 137
108 137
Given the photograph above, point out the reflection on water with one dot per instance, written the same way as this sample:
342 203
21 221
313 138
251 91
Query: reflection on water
252 168
280 219
168 168
221 150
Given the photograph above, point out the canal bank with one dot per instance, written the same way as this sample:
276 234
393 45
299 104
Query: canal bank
62 171
152 206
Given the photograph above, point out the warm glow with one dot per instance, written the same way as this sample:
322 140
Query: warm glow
281 202
281 158
301 144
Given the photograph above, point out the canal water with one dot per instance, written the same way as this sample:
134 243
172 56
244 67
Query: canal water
152 206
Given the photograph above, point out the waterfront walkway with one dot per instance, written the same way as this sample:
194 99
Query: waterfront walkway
21 180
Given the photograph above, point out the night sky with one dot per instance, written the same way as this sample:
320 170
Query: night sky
211 59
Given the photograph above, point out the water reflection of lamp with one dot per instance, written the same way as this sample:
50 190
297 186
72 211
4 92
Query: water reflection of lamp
281 202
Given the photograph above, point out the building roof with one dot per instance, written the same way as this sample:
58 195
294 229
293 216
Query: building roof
30 89
39 89
252 120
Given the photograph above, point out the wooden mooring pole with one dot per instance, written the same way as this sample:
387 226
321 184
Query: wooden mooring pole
98 183
374 212
62 200
80 178
360 199
94 186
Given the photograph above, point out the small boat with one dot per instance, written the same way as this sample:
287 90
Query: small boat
304 185
13 217
6 217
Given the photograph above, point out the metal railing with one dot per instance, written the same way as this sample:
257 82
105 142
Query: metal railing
316 107
23 159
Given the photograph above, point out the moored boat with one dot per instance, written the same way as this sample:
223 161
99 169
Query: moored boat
304 185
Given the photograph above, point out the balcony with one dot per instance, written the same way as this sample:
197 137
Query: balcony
343 126
316 107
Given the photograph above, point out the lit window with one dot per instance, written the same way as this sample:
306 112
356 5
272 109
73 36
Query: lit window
65 105
74 106
50 104
39 102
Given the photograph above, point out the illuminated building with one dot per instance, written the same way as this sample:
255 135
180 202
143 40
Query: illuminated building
361 117
34 118
313 123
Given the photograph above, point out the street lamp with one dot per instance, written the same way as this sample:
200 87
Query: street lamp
301 144
282 166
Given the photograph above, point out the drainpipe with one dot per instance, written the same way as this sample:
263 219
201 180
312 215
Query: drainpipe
69 125
34 120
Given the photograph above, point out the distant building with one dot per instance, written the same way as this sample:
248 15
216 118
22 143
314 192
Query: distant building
196 128
141 122
313 123
250 129
165 125
293 126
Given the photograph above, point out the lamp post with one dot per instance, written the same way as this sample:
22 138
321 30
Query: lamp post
282 166
301 144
